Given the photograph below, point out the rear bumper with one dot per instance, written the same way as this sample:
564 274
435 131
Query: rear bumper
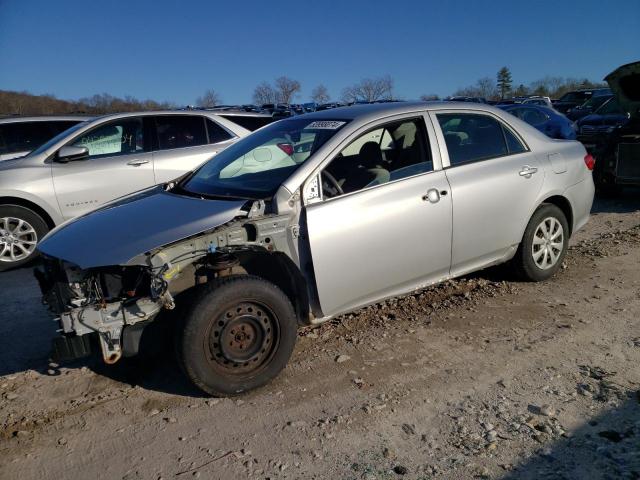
581 197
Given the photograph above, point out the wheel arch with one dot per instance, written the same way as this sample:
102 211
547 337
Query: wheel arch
21 202
280 270
563 204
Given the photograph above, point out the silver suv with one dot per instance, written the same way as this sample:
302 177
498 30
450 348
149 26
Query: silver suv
95 162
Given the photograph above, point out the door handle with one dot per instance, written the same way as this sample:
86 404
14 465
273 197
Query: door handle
527 171
137 163
432 196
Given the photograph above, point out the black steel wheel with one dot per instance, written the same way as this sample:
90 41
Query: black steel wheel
238 334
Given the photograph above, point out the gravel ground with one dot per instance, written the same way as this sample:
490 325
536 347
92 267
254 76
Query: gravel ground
482 377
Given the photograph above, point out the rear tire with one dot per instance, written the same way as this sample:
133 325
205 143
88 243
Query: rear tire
238 334
20 231
543 246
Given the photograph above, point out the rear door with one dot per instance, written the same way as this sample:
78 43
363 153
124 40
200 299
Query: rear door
184 142
120 162
495 180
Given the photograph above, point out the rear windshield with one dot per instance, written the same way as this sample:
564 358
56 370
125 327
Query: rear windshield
256 166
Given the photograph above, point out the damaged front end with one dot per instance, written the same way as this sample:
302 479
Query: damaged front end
110 305
103 304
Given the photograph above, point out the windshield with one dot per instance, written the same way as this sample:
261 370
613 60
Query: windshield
575 96
256 166
610 107
57 138
595 102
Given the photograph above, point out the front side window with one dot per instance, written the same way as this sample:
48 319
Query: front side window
180 131
121 137
473 137
387 153
256 166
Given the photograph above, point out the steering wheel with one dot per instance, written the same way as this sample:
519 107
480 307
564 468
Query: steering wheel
332 180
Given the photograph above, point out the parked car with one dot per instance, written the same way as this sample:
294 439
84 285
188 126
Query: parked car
531 99
547 120
538 100
578 97
466 99
588 107
432 191
245 118
95 162
618 150
21 135
595 128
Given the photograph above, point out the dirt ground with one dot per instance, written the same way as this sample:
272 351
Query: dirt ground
481 377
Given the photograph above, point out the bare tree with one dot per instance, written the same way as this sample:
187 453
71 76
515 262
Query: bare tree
320 94
369 90
209 99
487 88
429 97
264 93
287 88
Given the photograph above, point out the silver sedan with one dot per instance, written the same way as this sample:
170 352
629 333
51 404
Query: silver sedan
309 218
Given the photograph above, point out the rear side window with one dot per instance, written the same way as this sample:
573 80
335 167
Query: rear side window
476 137
180 131
216 132
27 136
249 122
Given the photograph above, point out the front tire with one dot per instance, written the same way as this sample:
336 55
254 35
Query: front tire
238 334
20 231
544 244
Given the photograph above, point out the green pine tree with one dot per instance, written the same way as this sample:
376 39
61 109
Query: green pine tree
504 82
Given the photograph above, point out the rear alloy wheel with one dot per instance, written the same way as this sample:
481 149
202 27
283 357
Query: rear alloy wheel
238 335
20 231
544 244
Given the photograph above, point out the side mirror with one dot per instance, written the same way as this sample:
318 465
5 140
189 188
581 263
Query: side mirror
72 153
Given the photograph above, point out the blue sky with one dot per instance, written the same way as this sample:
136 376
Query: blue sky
175 50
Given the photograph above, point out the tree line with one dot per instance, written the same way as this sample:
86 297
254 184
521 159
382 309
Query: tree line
286 90
503 86
24 103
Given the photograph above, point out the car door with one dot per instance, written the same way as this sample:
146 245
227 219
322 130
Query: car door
495 181
184 142
389 230
119 162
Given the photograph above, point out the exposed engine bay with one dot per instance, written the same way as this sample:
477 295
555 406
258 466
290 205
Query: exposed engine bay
114 303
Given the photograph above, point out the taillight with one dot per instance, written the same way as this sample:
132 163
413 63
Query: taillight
589 161
286 148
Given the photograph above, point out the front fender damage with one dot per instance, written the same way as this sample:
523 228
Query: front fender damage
109 301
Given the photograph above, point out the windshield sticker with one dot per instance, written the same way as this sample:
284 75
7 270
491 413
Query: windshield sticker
325 125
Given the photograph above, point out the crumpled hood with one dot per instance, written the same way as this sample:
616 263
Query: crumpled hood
625 84
123 230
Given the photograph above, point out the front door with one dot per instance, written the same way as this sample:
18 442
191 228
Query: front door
383 226
119 163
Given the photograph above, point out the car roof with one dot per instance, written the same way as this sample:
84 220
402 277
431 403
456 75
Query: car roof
45 118
373 111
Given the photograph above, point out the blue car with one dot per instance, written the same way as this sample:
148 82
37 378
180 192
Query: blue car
548 121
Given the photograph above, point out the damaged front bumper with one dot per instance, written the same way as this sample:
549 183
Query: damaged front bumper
98 307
